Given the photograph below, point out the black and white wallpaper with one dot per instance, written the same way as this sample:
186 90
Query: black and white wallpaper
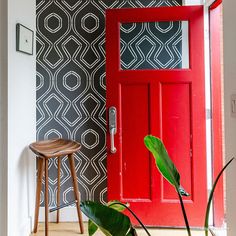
71 82
151 45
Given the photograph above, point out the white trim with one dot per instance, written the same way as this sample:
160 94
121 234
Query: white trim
31 185
185 45
192 2
207 90
208 104
26 228
219 232
208 3
67 214
3 115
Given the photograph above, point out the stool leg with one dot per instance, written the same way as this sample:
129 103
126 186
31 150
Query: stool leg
58 186
76 191
46 197
38 191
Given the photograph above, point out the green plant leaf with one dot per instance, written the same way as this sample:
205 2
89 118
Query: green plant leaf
183 192
167 169
116 206
126 206
92 228
164 163
132 232
108 220
206 225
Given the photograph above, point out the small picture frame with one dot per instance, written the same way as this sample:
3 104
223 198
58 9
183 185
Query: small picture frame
24 39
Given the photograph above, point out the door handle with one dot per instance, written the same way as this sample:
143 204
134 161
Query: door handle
112 128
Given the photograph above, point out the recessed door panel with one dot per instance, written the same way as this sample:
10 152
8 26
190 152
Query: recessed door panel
136 166
176 133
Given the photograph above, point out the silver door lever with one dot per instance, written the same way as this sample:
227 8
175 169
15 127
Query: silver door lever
112 134
112 128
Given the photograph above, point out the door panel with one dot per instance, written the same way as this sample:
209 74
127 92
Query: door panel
138 123
168 102
176 133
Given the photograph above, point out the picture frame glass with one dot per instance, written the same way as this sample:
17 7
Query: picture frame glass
24 39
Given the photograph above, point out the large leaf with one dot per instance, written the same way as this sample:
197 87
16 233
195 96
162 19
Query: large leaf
164 163
117 206
92 228
132 232
108 220
167 169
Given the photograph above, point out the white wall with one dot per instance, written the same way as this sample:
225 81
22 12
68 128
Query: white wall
21 122
229 29
3 117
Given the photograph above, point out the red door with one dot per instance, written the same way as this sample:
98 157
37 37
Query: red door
165 99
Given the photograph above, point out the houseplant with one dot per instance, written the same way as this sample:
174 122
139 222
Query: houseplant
111 221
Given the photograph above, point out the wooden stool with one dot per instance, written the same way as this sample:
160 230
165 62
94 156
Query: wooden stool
50 149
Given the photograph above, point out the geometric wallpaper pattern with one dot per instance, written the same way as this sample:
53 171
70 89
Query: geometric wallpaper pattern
151 45
71 87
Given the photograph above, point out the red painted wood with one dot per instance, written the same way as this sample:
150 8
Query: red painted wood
176 133
215 4
138 122
217 137
167 103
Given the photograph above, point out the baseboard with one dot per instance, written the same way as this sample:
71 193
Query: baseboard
67 214
25 229
218 232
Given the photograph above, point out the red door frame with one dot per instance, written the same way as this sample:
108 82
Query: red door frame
215 14
215 4
113 70
216 86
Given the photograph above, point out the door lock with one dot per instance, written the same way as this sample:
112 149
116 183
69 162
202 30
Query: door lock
112 127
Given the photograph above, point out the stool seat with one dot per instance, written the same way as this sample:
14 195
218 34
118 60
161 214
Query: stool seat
54 147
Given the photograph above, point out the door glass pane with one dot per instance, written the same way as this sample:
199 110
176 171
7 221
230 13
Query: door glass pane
154 45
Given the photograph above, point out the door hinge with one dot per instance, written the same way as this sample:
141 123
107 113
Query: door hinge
208 114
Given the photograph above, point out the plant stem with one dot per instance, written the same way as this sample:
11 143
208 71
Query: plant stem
136 217
184 213
206 225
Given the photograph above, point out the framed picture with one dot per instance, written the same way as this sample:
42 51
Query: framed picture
24 39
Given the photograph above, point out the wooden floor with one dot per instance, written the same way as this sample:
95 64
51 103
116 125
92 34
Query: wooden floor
72 229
